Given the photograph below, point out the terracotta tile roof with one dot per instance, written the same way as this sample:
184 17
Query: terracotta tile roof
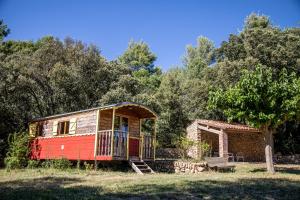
227 126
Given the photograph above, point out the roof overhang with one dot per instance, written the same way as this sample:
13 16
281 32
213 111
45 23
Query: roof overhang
148 113
219 127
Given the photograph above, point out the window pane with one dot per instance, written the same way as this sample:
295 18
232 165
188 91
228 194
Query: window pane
67 126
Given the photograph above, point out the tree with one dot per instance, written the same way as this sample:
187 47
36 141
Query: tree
261 99
199 57
268 44
138 56
173 120
4 30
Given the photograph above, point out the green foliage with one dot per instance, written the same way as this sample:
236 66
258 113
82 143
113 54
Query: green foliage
47 164
18 151
88 166
205 149
138 56
260 98
173 119
50 76
4 31
61 163
199 57
184 144
32 164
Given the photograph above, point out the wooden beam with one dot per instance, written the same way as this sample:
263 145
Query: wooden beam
113 131
209 129
154 140
140 143
96 137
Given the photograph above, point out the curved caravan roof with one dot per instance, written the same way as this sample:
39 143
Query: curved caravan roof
143 111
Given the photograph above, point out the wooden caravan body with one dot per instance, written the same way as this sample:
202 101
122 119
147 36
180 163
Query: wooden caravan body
111 132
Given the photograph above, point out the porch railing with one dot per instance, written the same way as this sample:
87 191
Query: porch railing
120 144
147 147
117 145
110 144
104 143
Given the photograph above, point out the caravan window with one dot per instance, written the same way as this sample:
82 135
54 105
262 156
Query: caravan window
63 128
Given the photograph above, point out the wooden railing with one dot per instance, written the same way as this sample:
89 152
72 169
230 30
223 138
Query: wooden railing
120 144
117 145
148 147
112 144
104 143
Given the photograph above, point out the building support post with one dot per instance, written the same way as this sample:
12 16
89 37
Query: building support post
96 138
113 132
154 140
223 144
199 144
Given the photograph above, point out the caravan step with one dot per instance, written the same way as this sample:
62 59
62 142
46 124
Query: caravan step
140 166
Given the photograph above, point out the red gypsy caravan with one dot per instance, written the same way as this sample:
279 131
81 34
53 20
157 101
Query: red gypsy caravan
105 133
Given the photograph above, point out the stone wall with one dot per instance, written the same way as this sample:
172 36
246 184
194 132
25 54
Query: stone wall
167 153
251 145
193 134
178 166
190 167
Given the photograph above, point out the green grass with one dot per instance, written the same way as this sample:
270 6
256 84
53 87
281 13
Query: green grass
250 181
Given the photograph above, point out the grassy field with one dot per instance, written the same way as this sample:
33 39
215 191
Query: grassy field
250 181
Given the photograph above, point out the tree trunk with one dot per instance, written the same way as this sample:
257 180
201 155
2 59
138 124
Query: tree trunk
269 150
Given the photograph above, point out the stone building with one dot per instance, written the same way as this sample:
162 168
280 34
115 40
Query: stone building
227 139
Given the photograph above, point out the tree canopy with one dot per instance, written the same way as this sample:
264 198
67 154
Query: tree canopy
51 76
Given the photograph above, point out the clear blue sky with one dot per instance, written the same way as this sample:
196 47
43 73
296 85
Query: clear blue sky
167 26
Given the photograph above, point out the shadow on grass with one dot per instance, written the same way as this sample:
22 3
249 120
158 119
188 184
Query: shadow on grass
286 170
61 188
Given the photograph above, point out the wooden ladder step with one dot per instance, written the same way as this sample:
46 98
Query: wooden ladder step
140 166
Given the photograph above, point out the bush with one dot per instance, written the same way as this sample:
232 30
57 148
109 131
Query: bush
33 164
18 150
88 166
47 164
205 149
62 163
184 144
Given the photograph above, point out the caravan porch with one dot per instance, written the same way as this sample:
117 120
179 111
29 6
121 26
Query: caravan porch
121 135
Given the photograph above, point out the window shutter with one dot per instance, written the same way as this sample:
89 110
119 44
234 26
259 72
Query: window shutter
54 128
72 127
32 129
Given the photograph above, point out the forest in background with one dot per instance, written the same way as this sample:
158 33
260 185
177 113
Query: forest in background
50 76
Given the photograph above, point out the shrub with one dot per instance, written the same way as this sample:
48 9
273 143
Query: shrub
205 149
88 166
62 163
18 150
33 164
47 164
184 144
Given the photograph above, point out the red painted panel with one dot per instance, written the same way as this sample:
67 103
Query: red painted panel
70 147
133 147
